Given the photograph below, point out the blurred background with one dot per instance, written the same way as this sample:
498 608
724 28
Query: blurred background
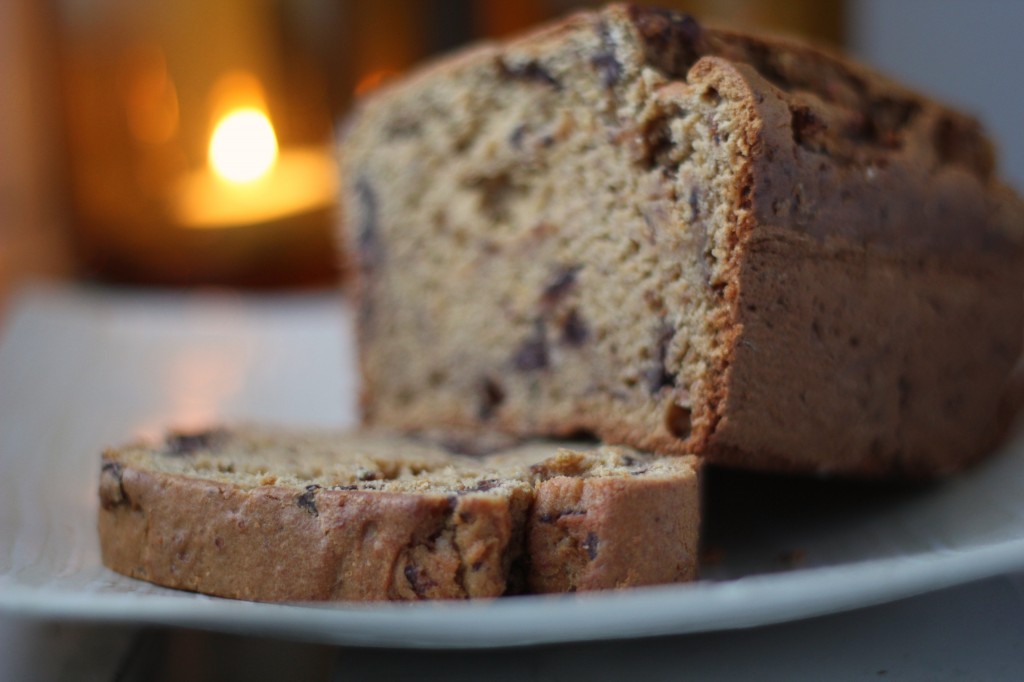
187 143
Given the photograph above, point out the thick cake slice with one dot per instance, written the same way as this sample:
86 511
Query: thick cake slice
683 239
274 515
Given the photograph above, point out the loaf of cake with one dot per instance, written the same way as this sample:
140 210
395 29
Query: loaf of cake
685 240
284 515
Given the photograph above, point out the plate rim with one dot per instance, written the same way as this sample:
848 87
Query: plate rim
698 607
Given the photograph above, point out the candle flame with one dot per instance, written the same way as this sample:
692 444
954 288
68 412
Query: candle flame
243 146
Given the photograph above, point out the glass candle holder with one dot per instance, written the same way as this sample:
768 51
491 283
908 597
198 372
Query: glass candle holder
198 140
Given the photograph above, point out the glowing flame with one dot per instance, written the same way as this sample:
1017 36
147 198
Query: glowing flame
243 147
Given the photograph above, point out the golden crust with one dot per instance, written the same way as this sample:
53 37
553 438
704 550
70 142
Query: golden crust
227 535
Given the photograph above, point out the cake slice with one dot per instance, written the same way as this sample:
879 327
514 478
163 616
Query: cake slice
278 515
685 240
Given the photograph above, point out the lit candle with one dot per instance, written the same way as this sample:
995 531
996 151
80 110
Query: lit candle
247 180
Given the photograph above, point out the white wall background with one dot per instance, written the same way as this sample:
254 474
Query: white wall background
969 53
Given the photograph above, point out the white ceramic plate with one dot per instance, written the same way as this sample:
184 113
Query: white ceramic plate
81 370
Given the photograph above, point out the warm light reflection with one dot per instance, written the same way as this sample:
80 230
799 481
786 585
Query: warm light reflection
243 146
302 180
374 80
200 381
150 96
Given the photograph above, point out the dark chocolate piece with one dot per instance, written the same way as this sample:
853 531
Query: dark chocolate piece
307 500
183 444
533 352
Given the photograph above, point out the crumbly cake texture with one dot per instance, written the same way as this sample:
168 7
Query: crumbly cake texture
284 515
686 240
